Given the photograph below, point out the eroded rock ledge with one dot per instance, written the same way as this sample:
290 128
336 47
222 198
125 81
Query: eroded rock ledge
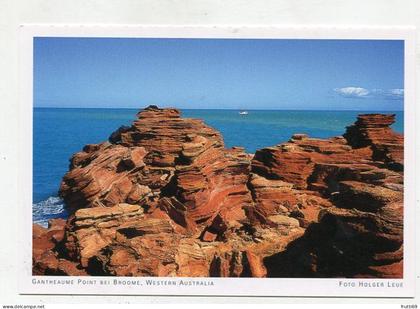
164 197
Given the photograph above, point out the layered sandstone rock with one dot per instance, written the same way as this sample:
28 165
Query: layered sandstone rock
164 197
373 130
359 233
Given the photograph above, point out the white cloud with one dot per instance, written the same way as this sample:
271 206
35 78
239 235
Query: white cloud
359 92
353 92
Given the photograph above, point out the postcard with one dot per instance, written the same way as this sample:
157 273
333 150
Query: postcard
242 161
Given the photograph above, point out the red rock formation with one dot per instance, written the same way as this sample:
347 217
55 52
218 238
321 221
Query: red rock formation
45 256
161 154
165 198
361 234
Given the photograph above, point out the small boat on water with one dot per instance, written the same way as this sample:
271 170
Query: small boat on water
243 113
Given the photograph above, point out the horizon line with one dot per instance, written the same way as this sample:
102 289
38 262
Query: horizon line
228 109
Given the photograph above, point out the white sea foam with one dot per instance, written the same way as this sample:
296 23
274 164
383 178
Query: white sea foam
52 207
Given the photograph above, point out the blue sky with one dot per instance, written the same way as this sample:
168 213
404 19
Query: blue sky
219 73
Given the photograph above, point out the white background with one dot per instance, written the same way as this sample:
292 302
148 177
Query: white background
162 12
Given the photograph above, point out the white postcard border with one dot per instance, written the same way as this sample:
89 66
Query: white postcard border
330 287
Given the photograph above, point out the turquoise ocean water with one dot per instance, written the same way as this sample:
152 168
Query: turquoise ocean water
59 133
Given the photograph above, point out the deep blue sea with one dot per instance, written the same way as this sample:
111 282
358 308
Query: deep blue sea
60 132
